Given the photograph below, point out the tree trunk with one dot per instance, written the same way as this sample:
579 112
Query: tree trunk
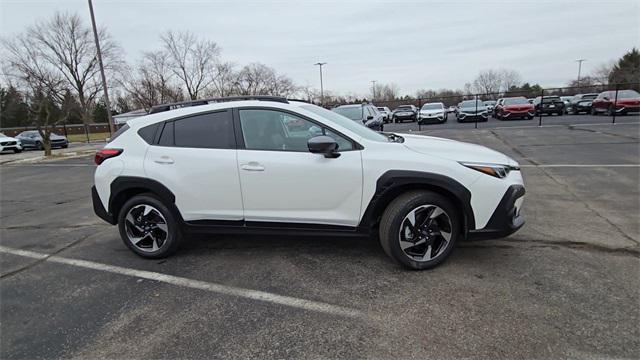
46 144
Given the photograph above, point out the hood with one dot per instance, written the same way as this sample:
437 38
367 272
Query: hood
519 107
432 111
7 138
455 150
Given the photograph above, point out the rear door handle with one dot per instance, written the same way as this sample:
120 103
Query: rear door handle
252 166
164 160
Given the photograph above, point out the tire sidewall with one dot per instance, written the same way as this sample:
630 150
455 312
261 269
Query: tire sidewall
393 244
173 233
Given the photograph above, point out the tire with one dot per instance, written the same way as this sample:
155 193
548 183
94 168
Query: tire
39 145
394 227
17 151
166 244
65 146
610 110
529 117
593 112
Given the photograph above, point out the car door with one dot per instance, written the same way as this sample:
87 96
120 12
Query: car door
195 157
282 182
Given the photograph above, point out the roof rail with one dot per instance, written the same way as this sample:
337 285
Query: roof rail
181 104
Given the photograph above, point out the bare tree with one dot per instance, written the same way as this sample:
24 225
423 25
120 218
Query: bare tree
260 79
61 53
224 79
600 75
510 79
151 83
488 81
386 92
192 60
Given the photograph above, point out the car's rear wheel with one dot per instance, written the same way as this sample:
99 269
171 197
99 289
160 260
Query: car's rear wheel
148 227
17 150
419 229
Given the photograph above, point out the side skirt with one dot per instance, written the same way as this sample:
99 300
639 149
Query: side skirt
271 228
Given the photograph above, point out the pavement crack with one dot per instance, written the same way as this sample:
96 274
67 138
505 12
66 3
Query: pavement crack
39 261
43 226
513 148
544 243
575 127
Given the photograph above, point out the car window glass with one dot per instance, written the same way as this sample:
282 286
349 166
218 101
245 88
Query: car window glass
212 130
280 131
166 138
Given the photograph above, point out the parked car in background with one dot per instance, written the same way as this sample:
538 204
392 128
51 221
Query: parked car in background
31 139
530 100
567 102
472 110
581 103
8 143
405 112
451 109
432 113
515 107
496 108
365 114
627 101
386 112
490 104
548 105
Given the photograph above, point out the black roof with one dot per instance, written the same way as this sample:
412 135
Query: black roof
181 104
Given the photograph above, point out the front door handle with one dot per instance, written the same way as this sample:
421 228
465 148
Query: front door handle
252 166
164 160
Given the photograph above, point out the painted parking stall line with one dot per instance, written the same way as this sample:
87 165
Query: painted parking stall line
193 284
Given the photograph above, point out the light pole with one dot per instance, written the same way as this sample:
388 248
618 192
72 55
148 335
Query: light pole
104 79
373 85
321 87
579 61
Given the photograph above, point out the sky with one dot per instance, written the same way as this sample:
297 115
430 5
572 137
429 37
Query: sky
416 45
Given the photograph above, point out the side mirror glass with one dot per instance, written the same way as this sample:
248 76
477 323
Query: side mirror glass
323 145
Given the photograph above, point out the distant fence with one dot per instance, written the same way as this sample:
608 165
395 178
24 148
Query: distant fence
80 132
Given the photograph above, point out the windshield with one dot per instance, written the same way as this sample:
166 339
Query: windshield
381 109
627 94
515 101
489 103
589 97
346 123
404 108
2 135
351 112
471 103
432 107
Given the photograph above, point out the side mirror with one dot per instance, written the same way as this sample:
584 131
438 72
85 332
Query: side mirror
323 145
369 117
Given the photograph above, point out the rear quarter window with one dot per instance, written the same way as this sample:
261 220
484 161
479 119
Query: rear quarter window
148 133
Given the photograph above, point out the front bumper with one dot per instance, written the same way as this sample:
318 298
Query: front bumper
472 117
405 117
517 114
99 209
506 219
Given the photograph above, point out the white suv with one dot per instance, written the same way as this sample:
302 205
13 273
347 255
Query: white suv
269 165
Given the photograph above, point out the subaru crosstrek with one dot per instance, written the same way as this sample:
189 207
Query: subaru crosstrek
269 165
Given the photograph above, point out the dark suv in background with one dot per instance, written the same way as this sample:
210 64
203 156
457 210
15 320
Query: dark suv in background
367 114
548 105
405 112
581 103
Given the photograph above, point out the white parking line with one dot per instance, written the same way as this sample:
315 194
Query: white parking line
581 165
193 284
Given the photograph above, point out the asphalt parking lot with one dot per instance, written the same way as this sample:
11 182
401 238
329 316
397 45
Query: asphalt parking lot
566 285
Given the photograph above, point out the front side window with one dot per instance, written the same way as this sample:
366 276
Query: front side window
351 112
280 131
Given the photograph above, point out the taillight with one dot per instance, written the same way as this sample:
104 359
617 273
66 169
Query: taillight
104 154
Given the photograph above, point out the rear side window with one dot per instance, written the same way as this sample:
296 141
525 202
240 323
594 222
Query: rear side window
120 131
148 133
213 130
166 138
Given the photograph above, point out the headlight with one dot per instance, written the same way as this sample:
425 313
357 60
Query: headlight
495 170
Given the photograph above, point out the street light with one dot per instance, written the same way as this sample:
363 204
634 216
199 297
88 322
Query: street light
579 61
321 88
104 79
373 84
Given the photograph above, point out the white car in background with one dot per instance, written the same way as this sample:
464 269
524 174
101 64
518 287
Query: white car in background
10 144
432 113
387 113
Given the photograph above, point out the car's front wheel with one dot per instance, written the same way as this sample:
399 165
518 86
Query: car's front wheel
148 227
419 229
17 151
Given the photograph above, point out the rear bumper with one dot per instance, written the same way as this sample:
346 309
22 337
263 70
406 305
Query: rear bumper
506 219
99 209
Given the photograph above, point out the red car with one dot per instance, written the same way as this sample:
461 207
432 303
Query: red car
515 107
628 101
